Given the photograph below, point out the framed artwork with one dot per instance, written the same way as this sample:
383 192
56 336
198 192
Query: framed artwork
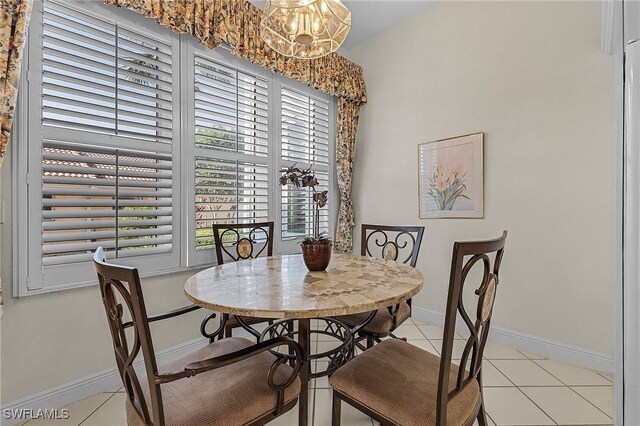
451 178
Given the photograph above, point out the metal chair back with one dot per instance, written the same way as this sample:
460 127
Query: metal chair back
465 256
243 241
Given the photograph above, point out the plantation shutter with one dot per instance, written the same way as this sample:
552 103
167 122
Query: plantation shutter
100 77
115 198
105 171
305 142
231 148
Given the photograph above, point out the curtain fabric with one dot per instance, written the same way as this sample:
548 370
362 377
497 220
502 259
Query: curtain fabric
345 154
14 19
237 23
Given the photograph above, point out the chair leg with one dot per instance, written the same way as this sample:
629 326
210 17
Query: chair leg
404 339
224 319
370 342
335 412
482 415
290 330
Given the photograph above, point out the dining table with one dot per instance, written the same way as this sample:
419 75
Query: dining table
281 287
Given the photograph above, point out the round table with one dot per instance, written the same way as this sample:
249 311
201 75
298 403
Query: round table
282 287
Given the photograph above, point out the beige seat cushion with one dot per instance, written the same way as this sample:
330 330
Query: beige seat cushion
237 394
399 382
382 324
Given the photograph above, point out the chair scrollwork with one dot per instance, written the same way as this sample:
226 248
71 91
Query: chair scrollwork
243 241
466 255
397 243
114 293
122 297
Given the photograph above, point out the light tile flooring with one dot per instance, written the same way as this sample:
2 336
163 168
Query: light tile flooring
520 389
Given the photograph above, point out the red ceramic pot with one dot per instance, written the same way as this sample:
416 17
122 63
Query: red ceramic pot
316 256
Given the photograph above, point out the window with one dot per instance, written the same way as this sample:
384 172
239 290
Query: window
114 198
101 77
101 164
128 148
231 148
305 142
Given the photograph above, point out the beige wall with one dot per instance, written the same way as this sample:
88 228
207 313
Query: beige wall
531 76
56 338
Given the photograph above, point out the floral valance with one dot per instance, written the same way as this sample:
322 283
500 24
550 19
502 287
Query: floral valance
237 22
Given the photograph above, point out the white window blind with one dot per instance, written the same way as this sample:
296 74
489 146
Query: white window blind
228 191
305 128
231 146
101 77
119 143
230 109
114 198
305 142
298 210
102 162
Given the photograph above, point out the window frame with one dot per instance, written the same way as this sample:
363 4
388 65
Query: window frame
199 258
291 244
27 163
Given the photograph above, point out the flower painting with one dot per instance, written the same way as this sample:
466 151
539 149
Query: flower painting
451 177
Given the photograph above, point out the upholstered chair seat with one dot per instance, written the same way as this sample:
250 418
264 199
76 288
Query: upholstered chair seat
381 323
219 397
399 381
229 382
393 243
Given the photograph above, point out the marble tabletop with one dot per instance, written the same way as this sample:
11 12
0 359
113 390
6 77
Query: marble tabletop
282 287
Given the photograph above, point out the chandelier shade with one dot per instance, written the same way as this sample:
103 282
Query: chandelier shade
305 29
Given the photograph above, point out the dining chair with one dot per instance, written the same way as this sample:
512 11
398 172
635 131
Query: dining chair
397 383
240 242
231 381
397 243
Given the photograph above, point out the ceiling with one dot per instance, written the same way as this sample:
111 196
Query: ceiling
370 17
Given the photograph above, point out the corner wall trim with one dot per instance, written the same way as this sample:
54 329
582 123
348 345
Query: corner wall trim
554 350
76 390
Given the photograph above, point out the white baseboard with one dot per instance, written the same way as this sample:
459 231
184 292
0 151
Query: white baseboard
76 390
108 379
554 350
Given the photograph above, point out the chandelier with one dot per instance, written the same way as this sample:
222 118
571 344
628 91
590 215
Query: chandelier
305 29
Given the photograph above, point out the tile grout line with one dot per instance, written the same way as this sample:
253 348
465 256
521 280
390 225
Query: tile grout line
569 386
523 393
528 358
539 407
597 408
503 375
99 407
532 359
602 375
490 418
437 351
508 379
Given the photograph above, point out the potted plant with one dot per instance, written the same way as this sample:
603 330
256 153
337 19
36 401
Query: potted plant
316 249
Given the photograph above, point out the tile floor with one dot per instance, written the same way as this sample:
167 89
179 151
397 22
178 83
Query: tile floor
520 389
